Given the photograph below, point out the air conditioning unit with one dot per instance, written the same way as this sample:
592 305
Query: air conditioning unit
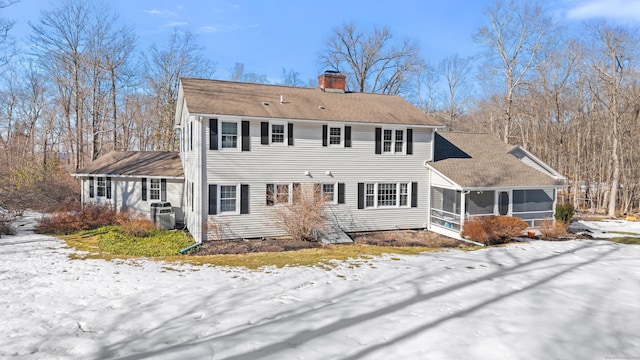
163 216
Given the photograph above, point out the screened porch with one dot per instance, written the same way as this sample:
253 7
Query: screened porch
450 207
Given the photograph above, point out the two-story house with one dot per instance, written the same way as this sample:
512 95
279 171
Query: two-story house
377 159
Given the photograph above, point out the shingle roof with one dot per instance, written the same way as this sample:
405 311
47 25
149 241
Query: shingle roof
482 160
216 97
136 163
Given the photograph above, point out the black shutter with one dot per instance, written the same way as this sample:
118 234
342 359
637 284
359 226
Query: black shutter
192 202
213 199
246 139
409 141
213 134
290 133
270 194
378 140
190 136
325 131
360 195
163 189
264 133
414 194
108 187
347 136
91 187
340 193
244 199
144 189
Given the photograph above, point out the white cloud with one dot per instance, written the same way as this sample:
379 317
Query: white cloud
610 9
217 28
155 12
176 23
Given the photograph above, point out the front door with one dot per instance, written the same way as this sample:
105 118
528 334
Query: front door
503 203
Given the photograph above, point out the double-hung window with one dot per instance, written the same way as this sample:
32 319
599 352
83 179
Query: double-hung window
335 136
228 199
278 133
154 189
228 135
329 193
381 195
101 187
394 141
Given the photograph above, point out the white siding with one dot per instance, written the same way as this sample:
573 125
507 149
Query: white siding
193 169
126 194
288 164
438 180
531 162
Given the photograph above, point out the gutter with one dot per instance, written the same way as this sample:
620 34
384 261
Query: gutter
185 250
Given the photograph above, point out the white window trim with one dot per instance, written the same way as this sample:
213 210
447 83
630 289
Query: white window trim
375 195
219 200
285 140
335 192
151 198
238 134
393 140
338 126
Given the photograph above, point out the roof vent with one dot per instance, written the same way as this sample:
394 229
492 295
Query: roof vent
321 107
265 103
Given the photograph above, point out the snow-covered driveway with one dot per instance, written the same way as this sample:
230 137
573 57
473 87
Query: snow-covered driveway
538 300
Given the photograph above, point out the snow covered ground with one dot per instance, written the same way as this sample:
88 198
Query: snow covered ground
537 300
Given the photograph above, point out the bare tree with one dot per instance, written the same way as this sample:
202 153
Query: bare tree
6 42
614 60
238 73
514 36
182 57
372 60
456 72
291 78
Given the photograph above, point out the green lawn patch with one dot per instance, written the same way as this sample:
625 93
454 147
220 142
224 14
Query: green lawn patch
627 240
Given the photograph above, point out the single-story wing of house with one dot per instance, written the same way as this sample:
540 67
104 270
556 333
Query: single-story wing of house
134 180
475 175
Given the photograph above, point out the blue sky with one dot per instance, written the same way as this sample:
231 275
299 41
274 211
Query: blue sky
268 36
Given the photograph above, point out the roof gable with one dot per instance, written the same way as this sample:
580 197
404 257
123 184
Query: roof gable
136 163
215 97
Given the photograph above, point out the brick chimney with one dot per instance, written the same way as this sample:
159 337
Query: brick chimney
332 81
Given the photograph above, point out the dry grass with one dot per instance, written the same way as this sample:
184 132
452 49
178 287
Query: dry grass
407 238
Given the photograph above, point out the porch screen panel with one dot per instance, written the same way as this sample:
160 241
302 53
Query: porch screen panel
480 203
532 200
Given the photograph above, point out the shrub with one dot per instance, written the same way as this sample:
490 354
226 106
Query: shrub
492 230
553 230
304 218
134 224
565 212
91 217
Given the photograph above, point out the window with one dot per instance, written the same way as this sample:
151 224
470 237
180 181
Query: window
392 141
101 188
386 195
154 189
278 194
229 135
387 141
277 133
228 198
328 192
335 137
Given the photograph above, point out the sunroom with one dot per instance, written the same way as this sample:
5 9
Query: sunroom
474 175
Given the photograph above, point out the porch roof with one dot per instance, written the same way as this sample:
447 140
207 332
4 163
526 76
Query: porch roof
136 163
483 161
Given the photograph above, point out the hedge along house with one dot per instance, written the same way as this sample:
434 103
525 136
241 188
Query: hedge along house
133 180
477 175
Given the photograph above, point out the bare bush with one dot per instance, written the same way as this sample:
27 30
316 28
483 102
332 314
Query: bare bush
553 230
91 217
6 218
304 218
492 230
134 224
